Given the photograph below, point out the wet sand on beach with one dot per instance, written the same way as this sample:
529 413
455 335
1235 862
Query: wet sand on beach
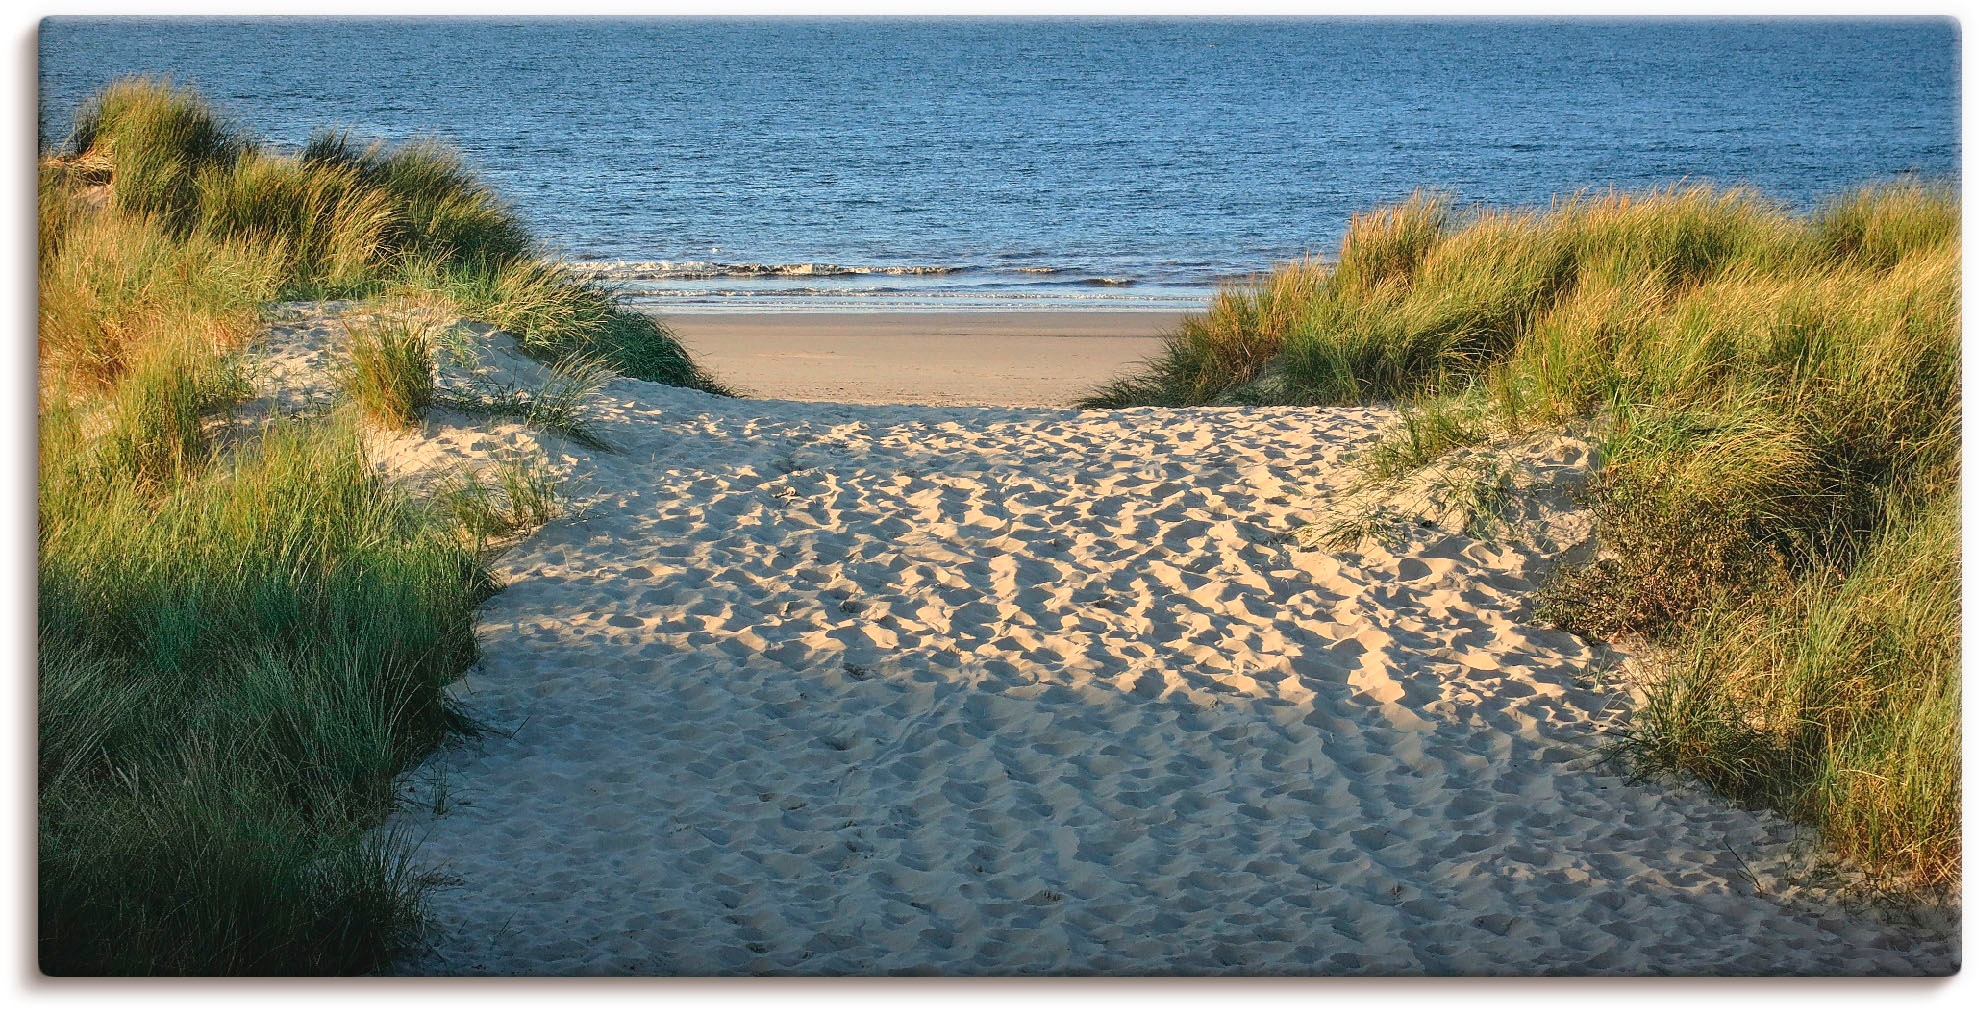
1023 359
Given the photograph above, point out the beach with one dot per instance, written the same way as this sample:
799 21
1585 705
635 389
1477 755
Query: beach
993 358
837 688
946 499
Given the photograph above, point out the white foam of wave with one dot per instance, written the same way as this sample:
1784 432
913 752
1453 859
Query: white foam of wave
703 270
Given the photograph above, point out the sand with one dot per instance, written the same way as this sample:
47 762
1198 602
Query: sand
943 358
815 688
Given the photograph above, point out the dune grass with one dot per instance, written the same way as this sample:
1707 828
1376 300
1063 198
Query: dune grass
233 667
341 220
557 406
244 635
556 316
1778 397
1836 702
514 495
114 286
391 373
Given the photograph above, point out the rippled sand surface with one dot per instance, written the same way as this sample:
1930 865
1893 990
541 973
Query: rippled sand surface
831 689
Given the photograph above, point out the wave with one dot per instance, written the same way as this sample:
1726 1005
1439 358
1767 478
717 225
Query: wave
704 270
906 296
699 273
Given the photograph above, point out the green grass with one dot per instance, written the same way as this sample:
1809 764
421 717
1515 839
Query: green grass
1837 702
1427 430
114 286
555 316
234 666
391 373
1214 357
155 427
1778 402
518 495
244 635
346 220
439 210
150 141
558 406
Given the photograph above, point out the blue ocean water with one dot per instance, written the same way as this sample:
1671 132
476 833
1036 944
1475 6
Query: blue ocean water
759 163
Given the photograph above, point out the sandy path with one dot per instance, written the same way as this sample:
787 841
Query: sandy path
952 358
822 689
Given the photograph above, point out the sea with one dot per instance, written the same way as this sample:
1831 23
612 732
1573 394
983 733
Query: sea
718 164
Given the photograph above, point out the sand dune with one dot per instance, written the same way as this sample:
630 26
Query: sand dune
825 688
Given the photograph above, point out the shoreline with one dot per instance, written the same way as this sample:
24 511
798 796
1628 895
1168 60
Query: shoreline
986 358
